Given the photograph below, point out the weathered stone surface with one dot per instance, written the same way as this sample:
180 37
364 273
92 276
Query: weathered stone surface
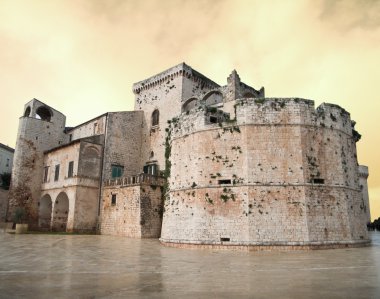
3 204
241 169
136 211
280 173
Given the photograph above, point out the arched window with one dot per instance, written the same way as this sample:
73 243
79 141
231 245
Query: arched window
155 117
189 104
43 113
27 112
213 97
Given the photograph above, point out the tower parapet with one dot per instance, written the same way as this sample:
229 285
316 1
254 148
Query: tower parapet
363 184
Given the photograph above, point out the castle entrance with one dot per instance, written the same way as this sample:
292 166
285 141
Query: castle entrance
44 212
60 213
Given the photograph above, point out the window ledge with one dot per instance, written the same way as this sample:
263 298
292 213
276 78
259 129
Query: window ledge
155 128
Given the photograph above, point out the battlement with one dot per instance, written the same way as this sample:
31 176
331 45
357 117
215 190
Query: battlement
363 171
264 111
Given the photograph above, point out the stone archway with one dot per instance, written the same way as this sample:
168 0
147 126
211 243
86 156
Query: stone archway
44 113
44 212
60 213
189 104
213 97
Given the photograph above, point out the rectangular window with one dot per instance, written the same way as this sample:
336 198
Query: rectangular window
318 181
224 182
46 173
56 173
71 169
7 163
146 169
70 137
151 169
213 119
117 171
113 199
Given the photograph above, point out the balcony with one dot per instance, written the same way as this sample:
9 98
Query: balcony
141 179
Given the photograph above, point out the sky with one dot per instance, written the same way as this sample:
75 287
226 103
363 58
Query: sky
82 57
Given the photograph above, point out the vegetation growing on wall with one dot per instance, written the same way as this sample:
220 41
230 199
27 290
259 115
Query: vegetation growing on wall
168 164
227 194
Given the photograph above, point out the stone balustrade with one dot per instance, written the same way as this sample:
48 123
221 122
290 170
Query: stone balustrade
141 179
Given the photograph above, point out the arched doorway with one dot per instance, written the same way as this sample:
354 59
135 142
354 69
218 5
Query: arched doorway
60 213
44 212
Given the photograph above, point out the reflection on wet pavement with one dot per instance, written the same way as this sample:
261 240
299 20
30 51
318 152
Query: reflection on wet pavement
79 266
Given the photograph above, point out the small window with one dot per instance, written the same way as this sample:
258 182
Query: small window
224 239
318 181
7 165
223 182
155 117
151 169
113 199
213 119
71 169
70 137
46 173
56 173
117 171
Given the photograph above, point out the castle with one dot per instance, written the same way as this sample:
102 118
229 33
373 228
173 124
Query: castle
196 164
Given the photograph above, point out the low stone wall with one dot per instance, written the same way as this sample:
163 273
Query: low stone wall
267 247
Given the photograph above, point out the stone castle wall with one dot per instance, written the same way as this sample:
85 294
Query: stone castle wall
136 213
123 142
165 92
280 173
243 169
96 126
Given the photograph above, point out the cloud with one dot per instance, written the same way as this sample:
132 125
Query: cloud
350 14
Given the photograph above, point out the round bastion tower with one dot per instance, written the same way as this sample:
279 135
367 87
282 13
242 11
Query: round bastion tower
262 172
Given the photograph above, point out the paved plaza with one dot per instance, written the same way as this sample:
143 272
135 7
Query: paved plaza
85 266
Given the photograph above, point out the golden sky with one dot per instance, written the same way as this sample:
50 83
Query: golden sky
82 57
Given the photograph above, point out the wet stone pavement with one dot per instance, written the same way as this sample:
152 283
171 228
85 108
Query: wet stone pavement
80 266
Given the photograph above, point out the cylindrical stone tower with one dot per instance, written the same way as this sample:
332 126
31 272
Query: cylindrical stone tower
278 173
